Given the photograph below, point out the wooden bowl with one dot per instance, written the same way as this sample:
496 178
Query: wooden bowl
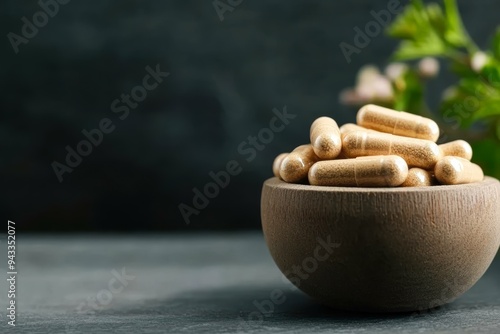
382 249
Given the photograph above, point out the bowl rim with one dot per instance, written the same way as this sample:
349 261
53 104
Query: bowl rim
275 182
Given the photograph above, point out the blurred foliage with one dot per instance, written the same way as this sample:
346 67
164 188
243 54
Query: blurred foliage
469 109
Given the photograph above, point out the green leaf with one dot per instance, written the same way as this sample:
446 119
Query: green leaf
498 129
455 33
475 100
409 93
496 44
472 86
411 23
417 49
487 155
488 109
419 27
403 26
491 75
436 18
458 110
463 69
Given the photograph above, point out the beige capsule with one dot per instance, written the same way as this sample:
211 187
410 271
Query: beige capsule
346 129
374 171
418 177
277 164
416 152
457 148
295 165
397 122
350 127
456 170
325 138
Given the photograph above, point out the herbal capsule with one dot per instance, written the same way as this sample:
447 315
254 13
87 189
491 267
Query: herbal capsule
325 138
375 171
416 152
457 148
456 170
295 165
397 122
418 177
277 163
350 127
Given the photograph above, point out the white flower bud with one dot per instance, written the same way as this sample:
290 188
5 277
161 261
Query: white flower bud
479 59
367 73
395 70
383 89
428 67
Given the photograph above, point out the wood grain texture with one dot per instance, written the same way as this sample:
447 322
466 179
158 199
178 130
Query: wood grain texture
401 249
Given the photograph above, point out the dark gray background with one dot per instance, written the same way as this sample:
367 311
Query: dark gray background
225 79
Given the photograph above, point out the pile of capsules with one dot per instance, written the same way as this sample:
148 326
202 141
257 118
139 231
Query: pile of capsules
386 148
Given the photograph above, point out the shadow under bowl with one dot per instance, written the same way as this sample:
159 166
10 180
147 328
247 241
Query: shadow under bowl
382 249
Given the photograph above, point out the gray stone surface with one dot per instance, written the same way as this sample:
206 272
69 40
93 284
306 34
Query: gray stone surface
226 77
196 284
